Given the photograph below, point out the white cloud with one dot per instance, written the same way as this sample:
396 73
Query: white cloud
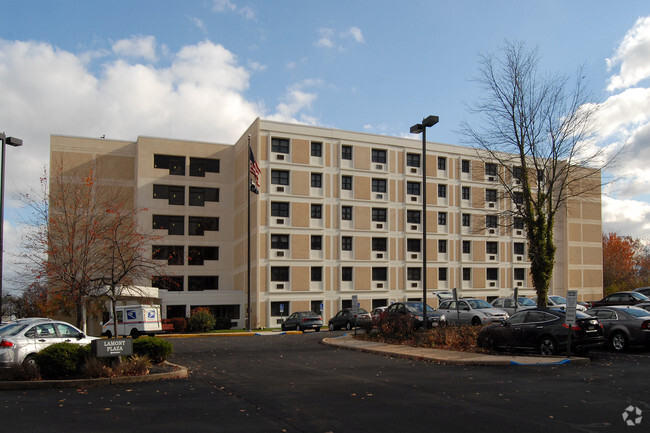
632 56
325 38
355 33
199 24
222 6
137 47
330 39
627 217
296 100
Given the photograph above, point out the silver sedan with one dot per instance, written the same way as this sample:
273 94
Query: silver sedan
471 311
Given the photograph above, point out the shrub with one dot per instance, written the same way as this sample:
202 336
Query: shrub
136 365
180 323
21 372
156 349
97 367
202 320
60 360
223 323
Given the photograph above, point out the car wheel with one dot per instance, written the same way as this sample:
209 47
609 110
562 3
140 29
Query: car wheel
30 361
298 328
485 342
331 327
619 341
134 333
476 321
283 327
348 325
317 329
547 346
109 334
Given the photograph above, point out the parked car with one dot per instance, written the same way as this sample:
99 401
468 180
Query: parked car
543 330
644 291
348 319
509 306
624 326
644 305
376 312
471 311
556 301
621 298
23 338
303 320
414 311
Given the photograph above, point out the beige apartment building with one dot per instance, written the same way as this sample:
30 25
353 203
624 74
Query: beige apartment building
338 214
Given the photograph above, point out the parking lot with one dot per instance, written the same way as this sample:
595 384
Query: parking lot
292 383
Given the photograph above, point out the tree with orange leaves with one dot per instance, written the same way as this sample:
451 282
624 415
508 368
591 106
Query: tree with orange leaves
622 257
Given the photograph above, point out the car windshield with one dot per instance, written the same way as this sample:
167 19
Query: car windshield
640 296
637 312
362 311
309 314
416 307
478 304
526 302
557 299
12 328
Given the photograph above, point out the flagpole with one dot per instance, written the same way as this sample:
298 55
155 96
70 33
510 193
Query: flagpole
248 188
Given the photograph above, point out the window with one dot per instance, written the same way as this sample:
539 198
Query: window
346 243
492 274
491 221
442 218
379 185
346 273
442 274
279 273
172 253
492 247
379 214
414 274
198 283
379 274
279 177
466 218
316 273
165 282
412 160
491 195
200 166
280 145
467 247
413 188
172 193
379 244
279 209
442 246
198 196
379 156
316 149
280 242
346 183
518 223
346 213
467 274
175 164
199 225
346 152
197 255
519 248
413 216
316 180
490 169
317 211
442 163
442 191
517 172
413 245
520 274
465 192
174 224
518 197
316 306
316 242
464 166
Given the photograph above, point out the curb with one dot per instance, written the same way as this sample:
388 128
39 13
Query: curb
230 334
180 372
447 356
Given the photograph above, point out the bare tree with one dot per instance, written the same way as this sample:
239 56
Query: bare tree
538 130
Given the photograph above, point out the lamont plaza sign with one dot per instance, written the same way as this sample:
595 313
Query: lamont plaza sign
112 347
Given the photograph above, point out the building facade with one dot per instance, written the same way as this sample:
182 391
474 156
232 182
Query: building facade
338 214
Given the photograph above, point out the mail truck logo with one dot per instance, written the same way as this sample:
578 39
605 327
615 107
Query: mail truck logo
632 416
130 314
151 314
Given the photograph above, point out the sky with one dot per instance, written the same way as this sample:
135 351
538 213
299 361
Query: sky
205 69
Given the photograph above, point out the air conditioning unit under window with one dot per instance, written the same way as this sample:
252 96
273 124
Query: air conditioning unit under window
379 196
279 253
379 167
279 157
491 231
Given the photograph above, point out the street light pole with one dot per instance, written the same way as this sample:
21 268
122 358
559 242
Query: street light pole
417 129
11 141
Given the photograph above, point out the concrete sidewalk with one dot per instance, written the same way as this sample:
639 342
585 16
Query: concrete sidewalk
348 341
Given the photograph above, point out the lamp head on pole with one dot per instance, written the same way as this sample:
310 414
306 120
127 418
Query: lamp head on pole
426 122
13 141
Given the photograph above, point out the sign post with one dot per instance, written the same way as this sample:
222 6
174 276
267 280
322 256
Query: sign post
571 302
355 310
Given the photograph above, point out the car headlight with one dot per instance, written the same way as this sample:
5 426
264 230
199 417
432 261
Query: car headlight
420 318
443 318
487 314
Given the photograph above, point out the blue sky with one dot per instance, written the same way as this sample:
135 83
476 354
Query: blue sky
205 69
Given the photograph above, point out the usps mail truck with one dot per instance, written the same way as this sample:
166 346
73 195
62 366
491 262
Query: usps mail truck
134 320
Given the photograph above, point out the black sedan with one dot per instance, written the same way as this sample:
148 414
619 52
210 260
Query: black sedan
621 298
303 320
624 326
348 319
412 312
543 330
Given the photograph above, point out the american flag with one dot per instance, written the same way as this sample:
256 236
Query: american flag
254 168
